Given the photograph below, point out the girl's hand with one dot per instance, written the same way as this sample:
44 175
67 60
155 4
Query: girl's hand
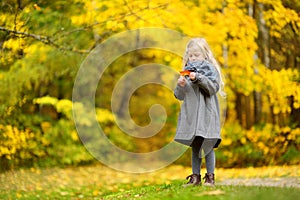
181 81
192 76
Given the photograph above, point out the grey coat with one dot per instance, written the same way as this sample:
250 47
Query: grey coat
200 112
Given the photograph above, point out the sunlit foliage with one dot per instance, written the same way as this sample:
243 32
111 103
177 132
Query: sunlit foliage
43 44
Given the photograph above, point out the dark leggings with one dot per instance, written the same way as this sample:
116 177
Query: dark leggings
207 145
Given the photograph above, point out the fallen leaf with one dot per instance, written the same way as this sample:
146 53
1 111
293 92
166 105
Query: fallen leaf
211 193
64 193
95 193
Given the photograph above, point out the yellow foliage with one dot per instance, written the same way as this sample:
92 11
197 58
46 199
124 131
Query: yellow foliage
14 141
224 26
46 100
74 136
104 115
279 85
279 17
270 141
272 136
64 106
45 126
226 142
296 103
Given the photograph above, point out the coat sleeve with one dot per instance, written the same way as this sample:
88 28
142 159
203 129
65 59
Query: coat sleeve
179 92
210 87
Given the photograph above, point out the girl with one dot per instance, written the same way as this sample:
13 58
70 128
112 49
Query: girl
199 118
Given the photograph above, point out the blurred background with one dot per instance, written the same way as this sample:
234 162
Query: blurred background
43 43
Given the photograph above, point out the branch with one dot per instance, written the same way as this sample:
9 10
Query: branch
44 39
52 40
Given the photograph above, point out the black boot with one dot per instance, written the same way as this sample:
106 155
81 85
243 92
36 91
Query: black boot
209 179
194 179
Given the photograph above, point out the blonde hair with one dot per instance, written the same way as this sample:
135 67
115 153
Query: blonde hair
202 45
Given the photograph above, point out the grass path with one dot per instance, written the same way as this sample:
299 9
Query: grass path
96 182
269 182
176 191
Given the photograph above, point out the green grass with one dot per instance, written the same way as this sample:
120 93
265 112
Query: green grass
100 182
173 191
176 191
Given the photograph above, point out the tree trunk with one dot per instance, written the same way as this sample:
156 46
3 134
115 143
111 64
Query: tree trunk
238 107
256 95
20 4
248 113
264 38
295 114
124 98
257 107
224 47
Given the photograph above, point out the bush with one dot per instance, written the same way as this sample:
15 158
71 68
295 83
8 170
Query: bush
54 142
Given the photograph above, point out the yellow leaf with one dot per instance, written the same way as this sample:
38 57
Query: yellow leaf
19 195
211 193
95 192
276 110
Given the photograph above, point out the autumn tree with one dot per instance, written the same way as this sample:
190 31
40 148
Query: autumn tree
43 44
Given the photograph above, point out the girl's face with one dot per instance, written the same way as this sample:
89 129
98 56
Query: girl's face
195 55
